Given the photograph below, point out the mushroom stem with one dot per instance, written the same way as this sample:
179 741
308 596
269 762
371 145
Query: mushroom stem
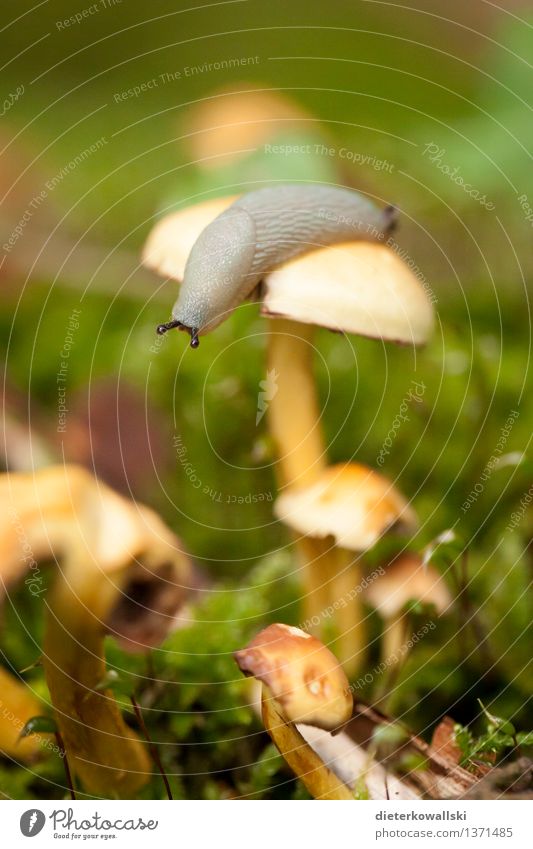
293 412
102 750
321 782
350 629
17 705
295 425
315 556
394 636
294 420
393 655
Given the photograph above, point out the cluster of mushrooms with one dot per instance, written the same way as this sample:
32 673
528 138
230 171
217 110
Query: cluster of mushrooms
120 570
335 512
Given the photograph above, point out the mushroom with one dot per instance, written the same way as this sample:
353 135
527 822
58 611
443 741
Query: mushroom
120 570
407 578
227 128
302 682
348 509
357 287
360 287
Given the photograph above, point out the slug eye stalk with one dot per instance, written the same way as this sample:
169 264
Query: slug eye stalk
170 325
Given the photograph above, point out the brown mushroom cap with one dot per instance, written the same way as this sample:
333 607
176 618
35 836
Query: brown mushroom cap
303 676
349 502
354 287
407 578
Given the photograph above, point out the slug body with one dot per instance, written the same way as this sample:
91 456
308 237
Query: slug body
257 233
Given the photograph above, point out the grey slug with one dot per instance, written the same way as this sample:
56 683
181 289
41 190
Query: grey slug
258 232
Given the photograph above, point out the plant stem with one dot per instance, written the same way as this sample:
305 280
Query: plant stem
68 774
153 748
470 616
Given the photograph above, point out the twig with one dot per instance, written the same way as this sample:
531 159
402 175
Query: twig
471 617
68 774
152 747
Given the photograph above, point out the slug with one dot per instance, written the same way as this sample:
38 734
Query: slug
258 232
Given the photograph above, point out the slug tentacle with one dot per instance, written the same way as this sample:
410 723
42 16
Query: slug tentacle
260 231
170 325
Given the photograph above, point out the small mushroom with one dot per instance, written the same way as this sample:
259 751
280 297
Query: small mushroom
407 578
302 683
104 547
347 509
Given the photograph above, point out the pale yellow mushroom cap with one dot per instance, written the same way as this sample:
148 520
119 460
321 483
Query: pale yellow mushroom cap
44 513
407 578
353 287
117 557
350 502
170 241
303 676
230 123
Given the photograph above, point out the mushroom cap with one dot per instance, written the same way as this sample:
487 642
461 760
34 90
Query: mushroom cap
406 578
44 512
303 676
231 122
350 502
354 287
118 557
170 241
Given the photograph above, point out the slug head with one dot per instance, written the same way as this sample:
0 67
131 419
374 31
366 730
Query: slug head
217 275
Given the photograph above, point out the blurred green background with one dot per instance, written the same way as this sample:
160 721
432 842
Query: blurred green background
384 81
